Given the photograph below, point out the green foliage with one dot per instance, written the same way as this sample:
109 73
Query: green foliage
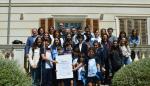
11 75
136 74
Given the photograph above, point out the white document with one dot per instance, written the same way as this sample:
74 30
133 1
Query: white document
64 67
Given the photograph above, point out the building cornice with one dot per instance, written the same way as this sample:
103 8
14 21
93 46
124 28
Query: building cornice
76 5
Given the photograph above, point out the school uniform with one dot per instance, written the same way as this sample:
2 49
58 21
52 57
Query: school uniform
92 70
82 47
55 53
47 69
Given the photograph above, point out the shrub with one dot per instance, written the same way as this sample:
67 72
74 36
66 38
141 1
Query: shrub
11 75
136 74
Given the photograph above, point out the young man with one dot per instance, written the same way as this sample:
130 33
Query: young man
111 37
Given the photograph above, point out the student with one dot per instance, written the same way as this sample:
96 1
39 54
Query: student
134 41
56 49
106 50
100 61
92 68
51 32
81 45
115 57
79 69
103 31
47 65
34 55
58 35
68 49
126 51
41 31
46 36
89 36
73 31
79 32
75 56
122 35
111 37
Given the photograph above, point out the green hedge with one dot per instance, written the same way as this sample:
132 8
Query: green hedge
136 74
11 75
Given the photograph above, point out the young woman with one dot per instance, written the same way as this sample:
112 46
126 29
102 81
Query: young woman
79 69
56 49
46 36
92 68
35 54
81 45
122 35
134 39
58 35
47 65
106 50
68 47
103 31
75 56
126 51
100 61
41 31
115 57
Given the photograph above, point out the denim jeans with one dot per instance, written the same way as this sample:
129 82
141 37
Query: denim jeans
35 73
127 60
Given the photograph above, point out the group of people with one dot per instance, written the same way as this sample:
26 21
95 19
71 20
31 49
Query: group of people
96 56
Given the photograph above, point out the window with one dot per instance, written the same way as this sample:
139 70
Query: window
69 24
127 24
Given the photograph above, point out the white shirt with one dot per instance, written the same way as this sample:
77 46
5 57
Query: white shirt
34 56
96 39
80 46
75 61
79 72
92 69
49 63
125 51
75 40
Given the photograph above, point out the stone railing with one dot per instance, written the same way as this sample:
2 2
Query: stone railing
13 52
141 52
16 52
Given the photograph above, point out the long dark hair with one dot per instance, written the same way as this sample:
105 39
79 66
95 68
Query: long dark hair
136 35
35 44
126 42
115 47
40 29
119 38
56 31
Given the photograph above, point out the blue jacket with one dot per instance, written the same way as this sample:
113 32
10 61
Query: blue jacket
134 41
29 43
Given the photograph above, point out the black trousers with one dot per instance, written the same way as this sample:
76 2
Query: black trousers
47 77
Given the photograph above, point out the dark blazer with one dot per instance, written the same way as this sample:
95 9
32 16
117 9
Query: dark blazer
84 48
